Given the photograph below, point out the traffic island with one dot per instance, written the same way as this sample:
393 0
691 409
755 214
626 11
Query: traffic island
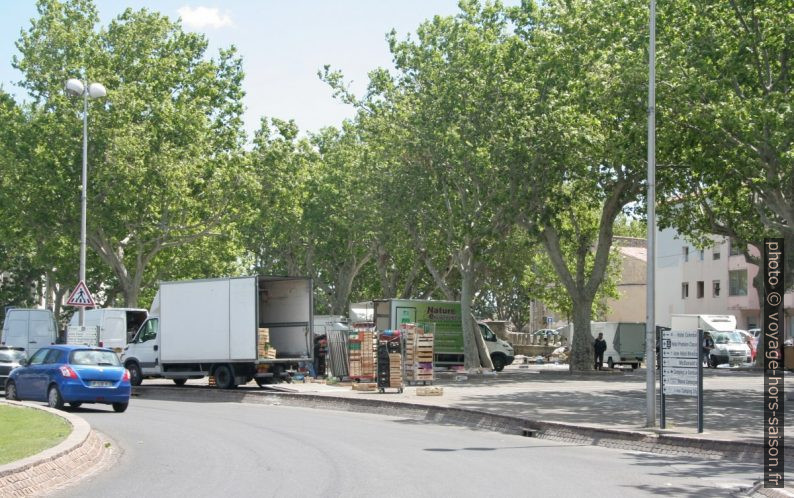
82 453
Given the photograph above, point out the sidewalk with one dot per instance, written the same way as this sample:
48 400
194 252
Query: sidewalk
733 400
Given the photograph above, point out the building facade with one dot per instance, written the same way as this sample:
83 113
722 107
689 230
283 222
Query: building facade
716 280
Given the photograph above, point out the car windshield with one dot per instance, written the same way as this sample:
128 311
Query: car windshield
11 356
728 338
93 357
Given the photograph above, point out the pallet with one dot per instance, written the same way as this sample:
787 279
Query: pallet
429 391
365 386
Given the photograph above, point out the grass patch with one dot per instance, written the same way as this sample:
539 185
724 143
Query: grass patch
27 431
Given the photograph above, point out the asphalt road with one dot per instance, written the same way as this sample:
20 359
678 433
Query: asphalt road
228 449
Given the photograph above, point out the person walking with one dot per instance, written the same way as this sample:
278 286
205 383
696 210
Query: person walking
600 346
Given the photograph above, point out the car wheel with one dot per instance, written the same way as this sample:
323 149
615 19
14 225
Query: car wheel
136 377
180 382
224 378
54 398
634 366
498 363
75 404
713 362
120 407
11 391
610 363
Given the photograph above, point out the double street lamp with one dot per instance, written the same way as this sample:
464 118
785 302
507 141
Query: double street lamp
77 88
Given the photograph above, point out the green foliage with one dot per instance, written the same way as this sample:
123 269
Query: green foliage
727 119
165 166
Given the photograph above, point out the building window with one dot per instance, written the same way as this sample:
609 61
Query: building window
685 290
715 288
737 283
716 254
736 248
701 289
686 254
701 254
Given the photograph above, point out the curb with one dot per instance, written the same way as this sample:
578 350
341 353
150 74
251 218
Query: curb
72 459
577 434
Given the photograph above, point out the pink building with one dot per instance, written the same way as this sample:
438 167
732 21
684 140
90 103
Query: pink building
716 280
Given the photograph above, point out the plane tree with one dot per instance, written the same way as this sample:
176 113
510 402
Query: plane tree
164 147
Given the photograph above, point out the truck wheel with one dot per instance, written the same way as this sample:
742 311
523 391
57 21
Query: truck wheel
224 378
498 363
180 382
610 363
135 374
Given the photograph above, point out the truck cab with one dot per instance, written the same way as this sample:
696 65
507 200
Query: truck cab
140 355
500 351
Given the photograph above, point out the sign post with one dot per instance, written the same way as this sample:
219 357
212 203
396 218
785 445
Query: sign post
681 367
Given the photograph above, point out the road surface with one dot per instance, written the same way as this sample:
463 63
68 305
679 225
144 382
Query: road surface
228 449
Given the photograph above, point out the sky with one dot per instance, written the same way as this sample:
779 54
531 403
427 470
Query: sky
283 44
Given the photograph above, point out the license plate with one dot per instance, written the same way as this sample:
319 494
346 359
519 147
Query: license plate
101 383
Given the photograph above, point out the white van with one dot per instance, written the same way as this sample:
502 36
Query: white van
116 326
29 329
625 342
729 347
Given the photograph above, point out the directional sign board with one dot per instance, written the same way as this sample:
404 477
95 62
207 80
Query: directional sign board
681 368
680 358
81 297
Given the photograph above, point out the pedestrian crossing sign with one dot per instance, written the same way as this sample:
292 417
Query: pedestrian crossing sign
80 297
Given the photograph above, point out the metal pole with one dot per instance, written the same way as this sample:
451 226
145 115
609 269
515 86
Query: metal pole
650 324
84 196
662 407
700 381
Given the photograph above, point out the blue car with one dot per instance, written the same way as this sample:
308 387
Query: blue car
61 374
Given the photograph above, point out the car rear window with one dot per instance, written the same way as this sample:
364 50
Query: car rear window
11 356
92 357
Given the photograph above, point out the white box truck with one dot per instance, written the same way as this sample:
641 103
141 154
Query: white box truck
389 314
210 327
29 329
111 328
625 342
729 346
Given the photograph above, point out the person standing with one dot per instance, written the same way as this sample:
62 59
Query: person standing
599 346
708 345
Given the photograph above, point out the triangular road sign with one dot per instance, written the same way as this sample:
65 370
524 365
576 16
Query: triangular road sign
81 297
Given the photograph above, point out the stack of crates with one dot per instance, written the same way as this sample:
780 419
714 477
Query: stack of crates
395 370
264 350
354 357
362 354
419 353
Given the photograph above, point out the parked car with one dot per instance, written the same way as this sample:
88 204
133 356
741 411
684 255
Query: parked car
61 374
10 358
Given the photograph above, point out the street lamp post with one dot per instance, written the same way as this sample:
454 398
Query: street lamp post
650 322
77 88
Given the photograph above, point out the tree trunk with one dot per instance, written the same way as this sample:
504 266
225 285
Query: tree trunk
470 351
582 343
758 283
